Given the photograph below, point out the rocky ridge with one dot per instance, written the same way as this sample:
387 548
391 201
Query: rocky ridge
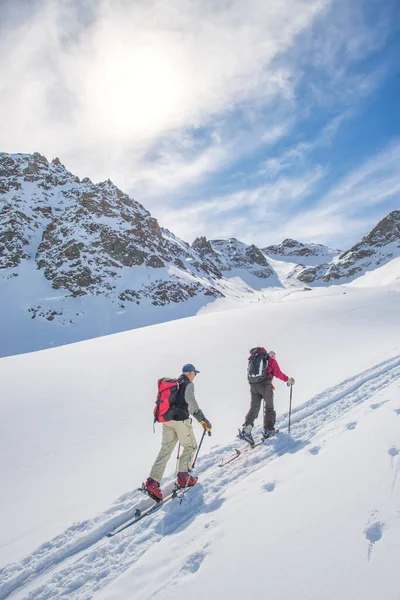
230 254
377 248
93 239
297 250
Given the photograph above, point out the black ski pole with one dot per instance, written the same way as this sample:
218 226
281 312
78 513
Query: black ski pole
198 449
177 457
193 464
290 407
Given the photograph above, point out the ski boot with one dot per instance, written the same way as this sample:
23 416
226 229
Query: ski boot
245 434
152 488
185 480
267 433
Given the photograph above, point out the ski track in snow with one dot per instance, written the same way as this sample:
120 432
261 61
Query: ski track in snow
80 561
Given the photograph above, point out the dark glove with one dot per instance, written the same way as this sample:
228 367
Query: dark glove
199 415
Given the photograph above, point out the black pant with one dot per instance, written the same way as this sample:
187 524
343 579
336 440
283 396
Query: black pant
259 392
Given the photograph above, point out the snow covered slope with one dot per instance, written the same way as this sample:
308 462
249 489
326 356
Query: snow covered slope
315 512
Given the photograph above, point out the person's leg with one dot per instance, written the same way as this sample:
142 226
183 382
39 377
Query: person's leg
186 437
269 410
255 404
168 443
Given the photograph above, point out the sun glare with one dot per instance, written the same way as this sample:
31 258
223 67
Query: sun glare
138 91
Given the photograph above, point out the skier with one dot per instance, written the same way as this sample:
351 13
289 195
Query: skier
261 388
179 429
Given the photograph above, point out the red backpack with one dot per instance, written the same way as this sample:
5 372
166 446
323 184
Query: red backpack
166 399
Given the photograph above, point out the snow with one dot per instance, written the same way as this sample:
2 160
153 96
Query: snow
389 273
315 513
307 521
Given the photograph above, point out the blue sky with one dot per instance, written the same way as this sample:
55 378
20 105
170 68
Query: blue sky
258 120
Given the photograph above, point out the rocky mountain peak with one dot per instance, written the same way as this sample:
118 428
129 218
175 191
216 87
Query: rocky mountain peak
378 247
291 247
202 246
91 240
386 232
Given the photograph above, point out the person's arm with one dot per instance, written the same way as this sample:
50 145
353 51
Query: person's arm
194 407
191 399
275 370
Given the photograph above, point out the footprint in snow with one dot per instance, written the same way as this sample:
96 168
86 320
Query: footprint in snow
352 425
397 411
194 561
374 533
378 404
315 450
269 487
393 451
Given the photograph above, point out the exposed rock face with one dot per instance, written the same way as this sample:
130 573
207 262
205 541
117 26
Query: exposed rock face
377 248
94 240
295 249
84 248
74 250
227 255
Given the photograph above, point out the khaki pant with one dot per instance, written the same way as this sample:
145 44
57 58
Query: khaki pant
173 432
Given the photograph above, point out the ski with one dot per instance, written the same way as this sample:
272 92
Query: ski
140 514
250 447
240 452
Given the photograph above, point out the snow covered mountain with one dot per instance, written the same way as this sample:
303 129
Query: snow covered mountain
84 236
306 254
314 514
376 249
234 259
89 260
81 260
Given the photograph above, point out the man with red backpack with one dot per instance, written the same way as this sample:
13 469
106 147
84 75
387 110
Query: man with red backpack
262 368
177 427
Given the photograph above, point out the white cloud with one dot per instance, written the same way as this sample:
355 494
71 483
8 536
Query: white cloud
278 209
251 214
354 205
139 72
164 96
377 180
142 69
297 155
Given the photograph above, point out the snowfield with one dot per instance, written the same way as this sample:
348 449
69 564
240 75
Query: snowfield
314 514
